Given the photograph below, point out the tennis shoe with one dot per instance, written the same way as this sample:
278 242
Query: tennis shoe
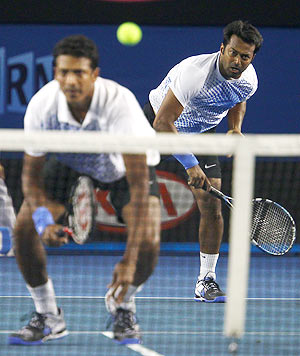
40 328
126 330
207 290
112 305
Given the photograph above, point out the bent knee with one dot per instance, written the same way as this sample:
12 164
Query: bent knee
211 209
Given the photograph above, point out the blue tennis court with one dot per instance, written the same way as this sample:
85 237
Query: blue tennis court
173 324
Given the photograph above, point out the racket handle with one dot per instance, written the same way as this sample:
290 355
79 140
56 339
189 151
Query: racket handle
65 230
215 192
204 186
68 231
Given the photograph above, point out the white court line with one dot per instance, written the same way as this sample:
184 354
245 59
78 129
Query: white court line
199 333
135 347
108 333
146 298
97 297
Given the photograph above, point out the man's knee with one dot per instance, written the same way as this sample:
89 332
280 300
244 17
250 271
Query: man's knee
211 208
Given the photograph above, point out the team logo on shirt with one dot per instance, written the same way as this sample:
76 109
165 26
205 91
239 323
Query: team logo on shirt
177 204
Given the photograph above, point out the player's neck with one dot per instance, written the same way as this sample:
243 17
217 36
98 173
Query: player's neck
79 110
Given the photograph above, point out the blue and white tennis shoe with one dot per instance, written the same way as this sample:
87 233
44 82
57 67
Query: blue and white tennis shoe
40 328
207 290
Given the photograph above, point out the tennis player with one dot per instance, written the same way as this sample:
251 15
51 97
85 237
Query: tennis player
193 98
79 100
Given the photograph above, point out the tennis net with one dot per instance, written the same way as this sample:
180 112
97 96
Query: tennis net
261 316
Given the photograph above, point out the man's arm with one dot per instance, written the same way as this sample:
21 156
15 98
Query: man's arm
167 114
35 196
137 174
32 181
135 214
235 118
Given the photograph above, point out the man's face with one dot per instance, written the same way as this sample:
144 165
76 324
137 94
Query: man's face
235 57
76 77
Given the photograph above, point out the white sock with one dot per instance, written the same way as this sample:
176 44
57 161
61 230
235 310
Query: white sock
44 298
208 263
128 300
130 294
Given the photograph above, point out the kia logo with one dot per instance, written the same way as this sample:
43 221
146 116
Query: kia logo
177 204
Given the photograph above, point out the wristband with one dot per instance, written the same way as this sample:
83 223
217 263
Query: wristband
42 218
188 160
5 240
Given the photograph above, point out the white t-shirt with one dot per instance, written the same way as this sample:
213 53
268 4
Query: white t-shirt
114 109
203 92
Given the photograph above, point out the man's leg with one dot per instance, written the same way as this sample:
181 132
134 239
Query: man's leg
210 238
47 322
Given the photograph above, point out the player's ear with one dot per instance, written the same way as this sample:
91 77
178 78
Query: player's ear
222 48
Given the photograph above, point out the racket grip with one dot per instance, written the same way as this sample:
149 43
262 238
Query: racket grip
65 230
204 186
68 231
215 192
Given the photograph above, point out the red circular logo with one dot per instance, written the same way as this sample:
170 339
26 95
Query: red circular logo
177 204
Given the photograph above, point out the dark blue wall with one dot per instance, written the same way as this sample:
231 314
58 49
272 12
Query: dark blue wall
26 49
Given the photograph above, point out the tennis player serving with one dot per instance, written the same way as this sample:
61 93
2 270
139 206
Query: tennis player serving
194 97
79 100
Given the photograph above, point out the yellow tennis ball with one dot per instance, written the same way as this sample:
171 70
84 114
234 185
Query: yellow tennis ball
129 34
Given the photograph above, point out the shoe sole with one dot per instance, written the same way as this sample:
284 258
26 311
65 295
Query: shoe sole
14 340
221 299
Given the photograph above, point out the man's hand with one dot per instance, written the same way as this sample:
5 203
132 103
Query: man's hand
123 276
234 132
52 237
197 178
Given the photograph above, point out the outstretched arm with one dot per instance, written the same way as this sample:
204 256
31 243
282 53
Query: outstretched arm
235 118
32 182
167 114
135 214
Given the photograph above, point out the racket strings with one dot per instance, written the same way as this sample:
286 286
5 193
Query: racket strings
83 210
272 227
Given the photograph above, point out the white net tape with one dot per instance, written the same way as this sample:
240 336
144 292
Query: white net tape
51 141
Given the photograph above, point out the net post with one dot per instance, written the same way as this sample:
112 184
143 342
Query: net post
239 242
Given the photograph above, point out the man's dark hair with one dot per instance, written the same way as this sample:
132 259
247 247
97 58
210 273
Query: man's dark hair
245 31
77 46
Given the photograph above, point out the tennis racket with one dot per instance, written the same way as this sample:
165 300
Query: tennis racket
273 229
81 209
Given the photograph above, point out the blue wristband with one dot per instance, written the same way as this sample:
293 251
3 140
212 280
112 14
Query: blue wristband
42 218
188 160
5 240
